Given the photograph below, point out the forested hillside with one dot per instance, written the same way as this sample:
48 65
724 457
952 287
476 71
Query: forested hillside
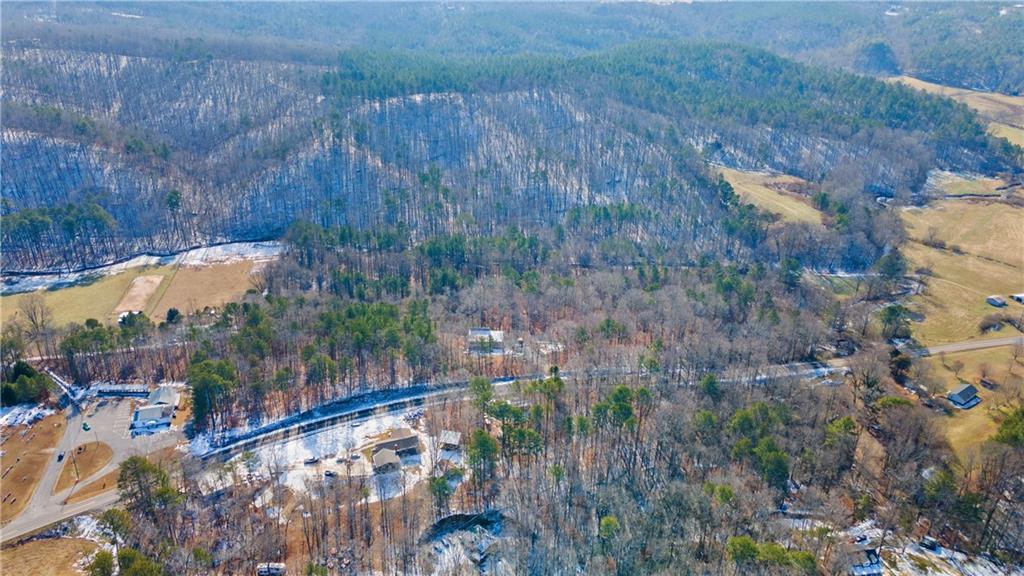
107 155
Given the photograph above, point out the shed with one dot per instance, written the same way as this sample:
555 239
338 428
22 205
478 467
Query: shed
995 300
964 396
166 395
386 460
1018 298
450 440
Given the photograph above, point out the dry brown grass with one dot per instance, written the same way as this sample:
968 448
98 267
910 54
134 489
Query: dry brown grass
968 429
27 452
773 193
989 234
996 107
192 289
52 557
81 463
108 481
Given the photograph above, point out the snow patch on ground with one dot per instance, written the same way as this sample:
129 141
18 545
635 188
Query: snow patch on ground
222 254
23 415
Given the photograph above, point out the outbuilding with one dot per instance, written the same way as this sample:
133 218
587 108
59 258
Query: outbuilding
996 300
450 440
164 395
152 418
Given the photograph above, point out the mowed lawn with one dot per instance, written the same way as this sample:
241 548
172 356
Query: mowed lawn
967 429
185 288
769 192
990 235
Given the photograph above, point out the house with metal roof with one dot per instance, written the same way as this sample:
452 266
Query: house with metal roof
964 396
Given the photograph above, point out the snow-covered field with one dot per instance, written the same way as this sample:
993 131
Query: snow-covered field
222 254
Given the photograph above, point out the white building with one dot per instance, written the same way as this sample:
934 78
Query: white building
152 418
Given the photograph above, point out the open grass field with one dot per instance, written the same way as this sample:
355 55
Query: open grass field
967 429
193 288
26 452
1011 133
51 557
151 289
990 235
1004 113
77 303
81 463
995 107
956 185
773 193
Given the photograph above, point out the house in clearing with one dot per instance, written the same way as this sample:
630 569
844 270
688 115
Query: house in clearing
996 300
164 395
485 341
386 460
401 441
964 396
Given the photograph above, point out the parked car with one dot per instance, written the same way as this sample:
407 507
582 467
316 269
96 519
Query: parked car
929 543
60 457
311 460
355 456
86 427
330 474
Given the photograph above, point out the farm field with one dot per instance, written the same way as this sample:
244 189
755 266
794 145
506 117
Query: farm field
27 450
957 185
999 108
771 192
969 428
953 302
151 289
81 463
52 557
1004 113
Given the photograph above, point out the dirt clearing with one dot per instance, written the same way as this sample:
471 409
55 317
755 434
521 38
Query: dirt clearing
139 292
773 193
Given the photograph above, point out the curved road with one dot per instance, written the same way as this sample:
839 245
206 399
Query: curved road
45 509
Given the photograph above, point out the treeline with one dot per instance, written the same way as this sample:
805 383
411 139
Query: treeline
722 83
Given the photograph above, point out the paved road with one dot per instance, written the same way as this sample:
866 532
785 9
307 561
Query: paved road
109 425
975 345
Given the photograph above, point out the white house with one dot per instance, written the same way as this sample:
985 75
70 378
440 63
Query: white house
152 418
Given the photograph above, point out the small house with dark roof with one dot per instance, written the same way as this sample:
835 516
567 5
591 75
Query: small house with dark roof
964 396
401 440
997 301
